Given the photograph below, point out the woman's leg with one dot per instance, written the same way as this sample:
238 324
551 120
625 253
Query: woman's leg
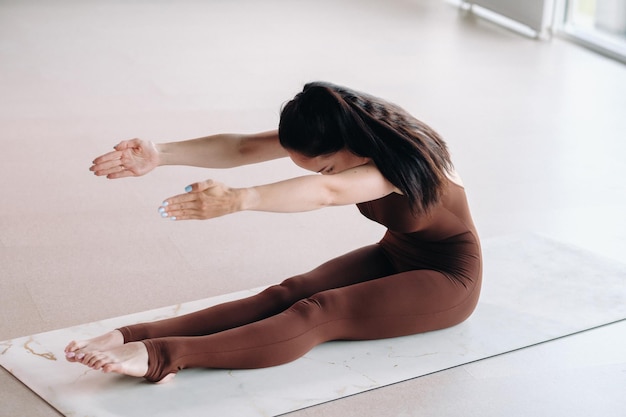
360 265
406 303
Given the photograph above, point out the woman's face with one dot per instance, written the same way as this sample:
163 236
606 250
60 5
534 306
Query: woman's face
329 164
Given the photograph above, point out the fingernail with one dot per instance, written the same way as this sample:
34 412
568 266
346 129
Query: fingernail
80 356
163 214
161 209
173 218
188 188
69 354
165 204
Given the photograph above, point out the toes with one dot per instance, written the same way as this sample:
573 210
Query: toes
112 367
95 360
72 351
89 360
75 356
70 346
75 345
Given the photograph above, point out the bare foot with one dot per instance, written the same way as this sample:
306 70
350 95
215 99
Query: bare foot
129 359
76 350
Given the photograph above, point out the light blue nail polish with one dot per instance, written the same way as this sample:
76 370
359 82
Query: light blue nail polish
163 214
165 204
161 209
173 218
188 188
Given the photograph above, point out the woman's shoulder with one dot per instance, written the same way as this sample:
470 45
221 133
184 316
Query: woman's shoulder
455 178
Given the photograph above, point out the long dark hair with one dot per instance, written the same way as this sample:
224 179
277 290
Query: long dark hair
325 118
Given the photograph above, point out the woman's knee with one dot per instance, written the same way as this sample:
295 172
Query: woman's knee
287 292
323 305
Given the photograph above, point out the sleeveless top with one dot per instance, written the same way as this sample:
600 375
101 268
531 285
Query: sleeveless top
443 240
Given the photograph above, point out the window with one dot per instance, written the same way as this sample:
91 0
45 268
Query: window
596 24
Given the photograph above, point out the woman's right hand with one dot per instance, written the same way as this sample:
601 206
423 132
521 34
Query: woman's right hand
131 158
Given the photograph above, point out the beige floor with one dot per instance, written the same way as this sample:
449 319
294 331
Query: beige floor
536 129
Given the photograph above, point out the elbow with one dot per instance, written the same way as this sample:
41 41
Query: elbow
241 150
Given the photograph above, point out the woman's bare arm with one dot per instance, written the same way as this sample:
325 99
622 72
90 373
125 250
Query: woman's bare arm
209 199
222 150
311 192
136 157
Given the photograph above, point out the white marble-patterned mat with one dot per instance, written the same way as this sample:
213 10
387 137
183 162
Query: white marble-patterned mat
534 290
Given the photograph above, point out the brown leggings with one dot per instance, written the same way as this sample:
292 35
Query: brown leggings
357 296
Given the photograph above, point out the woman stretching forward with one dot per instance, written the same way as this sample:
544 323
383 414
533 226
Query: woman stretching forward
423 275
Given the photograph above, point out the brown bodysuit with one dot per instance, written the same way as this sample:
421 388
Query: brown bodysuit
424 275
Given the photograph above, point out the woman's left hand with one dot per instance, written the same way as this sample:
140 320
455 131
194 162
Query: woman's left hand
202 200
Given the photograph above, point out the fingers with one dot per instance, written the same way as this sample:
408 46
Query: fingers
122 145
189 206
200 186
108 164
125 144
107 167
179 199
120 174
111 164
108 157
181 207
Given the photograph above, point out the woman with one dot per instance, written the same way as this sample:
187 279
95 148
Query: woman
423 275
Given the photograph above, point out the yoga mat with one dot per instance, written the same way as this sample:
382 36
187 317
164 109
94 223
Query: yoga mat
534 290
